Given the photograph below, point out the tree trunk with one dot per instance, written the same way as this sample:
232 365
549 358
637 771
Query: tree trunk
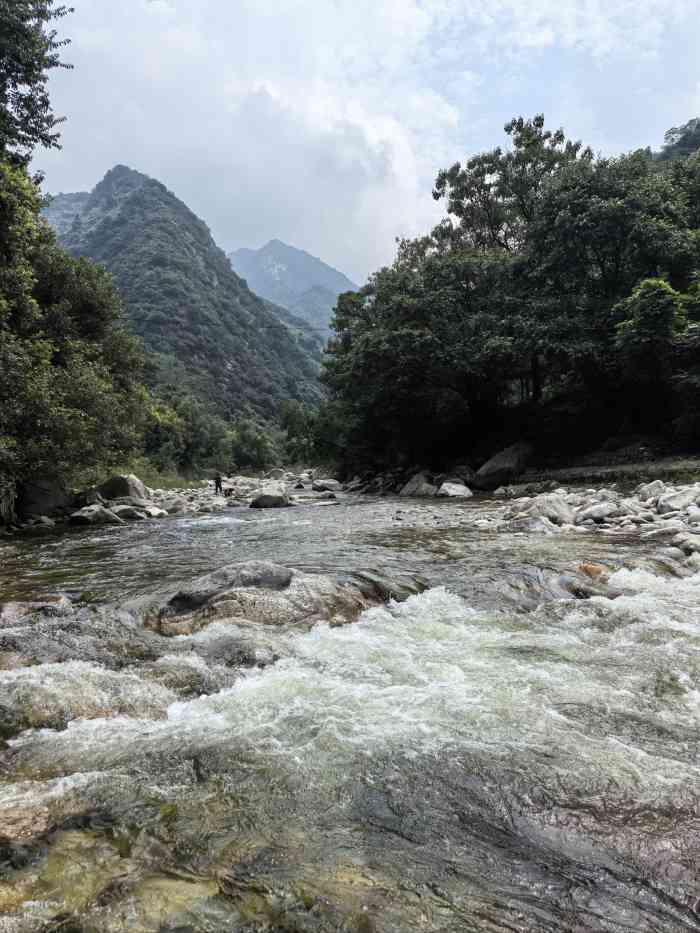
536 376
8 494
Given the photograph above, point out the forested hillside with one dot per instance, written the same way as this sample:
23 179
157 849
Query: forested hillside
558 302
294 279
205 332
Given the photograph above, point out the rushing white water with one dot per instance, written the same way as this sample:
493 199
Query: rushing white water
439 763
589 685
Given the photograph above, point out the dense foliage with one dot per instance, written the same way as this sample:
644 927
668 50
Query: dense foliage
558 300
68 369
69 394
28 51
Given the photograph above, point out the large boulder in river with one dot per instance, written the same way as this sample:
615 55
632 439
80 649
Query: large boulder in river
95 515
503 467
553 507
271 496
125 484
450 490
262 593
42 496
418 485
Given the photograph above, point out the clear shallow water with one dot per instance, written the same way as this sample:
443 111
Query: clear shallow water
447 763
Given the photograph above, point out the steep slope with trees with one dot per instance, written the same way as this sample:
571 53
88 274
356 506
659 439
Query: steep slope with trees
293 278
205 331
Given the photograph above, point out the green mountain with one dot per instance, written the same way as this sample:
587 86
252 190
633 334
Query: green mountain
294 279
205 330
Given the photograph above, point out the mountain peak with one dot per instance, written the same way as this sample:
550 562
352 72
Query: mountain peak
293 278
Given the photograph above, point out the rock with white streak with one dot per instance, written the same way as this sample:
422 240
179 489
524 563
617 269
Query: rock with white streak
454 491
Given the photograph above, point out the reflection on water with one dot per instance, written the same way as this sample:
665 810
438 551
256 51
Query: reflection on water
447 763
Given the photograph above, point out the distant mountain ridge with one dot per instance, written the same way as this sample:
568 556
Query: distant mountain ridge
206 331
295 279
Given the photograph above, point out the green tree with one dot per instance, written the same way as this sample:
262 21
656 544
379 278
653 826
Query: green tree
29 50
69 395
542 306
651 319
495 194
681 141
250 446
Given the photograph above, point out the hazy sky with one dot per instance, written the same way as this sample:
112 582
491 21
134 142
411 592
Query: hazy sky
324 122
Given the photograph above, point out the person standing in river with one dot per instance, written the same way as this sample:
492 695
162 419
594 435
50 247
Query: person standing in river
218 485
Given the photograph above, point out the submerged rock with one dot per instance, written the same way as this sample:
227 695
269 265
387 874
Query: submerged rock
52 695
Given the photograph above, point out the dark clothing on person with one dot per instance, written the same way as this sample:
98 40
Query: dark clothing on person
218 485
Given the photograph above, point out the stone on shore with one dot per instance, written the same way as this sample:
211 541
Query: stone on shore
650 490
598 512
271 496
677 500
418 485
95 515
128 512
503 467
125 484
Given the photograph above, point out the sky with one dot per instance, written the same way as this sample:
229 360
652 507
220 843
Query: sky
323 123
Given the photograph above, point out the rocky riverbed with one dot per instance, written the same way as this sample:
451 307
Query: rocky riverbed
398 713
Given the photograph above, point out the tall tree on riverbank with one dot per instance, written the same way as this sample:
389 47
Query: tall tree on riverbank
29 50
69 396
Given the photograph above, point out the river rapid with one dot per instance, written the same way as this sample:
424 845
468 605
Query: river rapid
483 755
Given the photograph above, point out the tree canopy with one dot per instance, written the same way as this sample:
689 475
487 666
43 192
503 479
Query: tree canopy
551 302
29 50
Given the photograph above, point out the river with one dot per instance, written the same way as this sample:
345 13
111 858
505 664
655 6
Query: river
478 757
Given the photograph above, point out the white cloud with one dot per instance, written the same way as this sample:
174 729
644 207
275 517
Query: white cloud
323 122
